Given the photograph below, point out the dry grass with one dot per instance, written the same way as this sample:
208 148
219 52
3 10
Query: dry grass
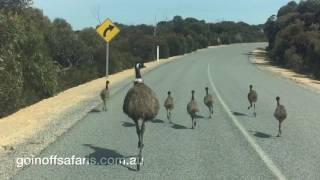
261 61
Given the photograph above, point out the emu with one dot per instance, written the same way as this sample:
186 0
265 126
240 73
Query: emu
169 105
141 105
192 109
105 94
280 114
252 97
208 101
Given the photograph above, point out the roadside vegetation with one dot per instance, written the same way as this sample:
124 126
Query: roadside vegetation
294 37
41 57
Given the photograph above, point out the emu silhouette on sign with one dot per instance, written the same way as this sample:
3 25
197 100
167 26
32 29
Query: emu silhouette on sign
141 105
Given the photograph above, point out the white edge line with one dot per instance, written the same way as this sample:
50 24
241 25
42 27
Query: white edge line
270 164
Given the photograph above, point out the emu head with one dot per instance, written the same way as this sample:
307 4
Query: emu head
139 65
107 84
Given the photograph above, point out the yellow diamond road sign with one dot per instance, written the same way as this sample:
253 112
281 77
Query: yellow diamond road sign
107 30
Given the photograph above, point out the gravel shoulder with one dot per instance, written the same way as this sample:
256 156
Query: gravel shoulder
260 60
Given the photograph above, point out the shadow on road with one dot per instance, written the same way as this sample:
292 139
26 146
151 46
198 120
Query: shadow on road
200 116
128 124
239 113
260 134
157 121
95 110
178 126
106 157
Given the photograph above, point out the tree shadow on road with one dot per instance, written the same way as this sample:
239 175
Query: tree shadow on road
260 134
106 157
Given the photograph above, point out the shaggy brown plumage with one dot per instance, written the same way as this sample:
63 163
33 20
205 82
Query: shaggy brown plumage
169 105
253 98
105 94
280 114
192 109
141 105
208 101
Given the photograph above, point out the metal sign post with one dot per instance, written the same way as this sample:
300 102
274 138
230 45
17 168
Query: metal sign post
107 60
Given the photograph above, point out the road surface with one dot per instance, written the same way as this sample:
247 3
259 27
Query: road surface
231 145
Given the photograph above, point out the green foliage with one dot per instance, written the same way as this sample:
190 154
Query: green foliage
39 57
14 5
294 37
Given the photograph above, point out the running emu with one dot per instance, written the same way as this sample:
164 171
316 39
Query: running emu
105 94
280 114
141 105
208 101
252 97
192 109
168 104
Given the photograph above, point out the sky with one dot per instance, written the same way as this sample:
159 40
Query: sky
88 13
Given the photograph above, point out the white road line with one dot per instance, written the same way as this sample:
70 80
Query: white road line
270 164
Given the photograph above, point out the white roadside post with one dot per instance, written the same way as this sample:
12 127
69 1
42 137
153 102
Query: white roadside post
158 53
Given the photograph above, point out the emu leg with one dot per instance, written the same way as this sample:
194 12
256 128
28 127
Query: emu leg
209 112
279 131
138 133
250 105
280 128
139 162
211 109
254 110
192 122
105 105
142 133
169 115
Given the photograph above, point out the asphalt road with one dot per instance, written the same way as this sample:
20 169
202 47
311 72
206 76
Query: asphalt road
231 145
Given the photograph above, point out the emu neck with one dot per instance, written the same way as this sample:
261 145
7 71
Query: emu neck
192 97
278 103
207 92
138 74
